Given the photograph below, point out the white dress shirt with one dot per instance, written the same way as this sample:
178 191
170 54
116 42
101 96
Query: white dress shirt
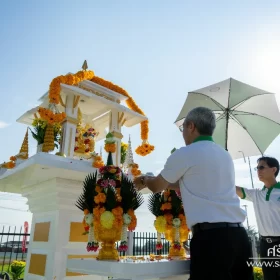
206 176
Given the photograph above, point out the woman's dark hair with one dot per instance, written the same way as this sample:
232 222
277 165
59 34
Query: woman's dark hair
271 162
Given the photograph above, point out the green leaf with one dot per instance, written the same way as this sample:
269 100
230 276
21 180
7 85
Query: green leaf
154 204
131 198
86 199
111 201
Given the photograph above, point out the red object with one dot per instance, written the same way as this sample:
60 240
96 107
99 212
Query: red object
23 245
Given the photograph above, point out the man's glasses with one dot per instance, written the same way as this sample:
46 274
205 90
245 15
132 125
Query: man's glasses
181 128
259 168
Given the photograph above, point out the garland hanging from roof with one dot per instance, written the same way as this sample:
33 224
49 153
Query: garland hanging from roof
73 79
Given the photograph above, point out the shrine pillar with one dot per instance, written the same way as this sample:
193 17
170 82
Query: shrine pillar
116 122
69 125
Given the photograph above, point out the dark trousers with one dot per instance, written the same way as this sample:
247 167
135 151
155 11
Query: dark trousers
221 254
270 266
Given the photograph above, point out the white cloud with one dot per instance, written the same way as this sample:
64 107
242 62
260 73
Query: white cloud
3 124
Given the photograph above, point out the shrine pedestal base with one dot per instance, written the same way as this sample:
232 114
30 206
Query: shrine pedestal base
138 270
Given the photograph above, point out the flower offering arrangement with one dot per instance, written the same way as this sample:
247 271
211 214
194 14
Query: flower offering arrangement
109 201
97 160
170 220
46 132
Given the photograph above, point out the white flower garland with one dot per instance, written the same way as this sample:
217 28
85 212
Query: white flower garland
177 223
126 221
92 243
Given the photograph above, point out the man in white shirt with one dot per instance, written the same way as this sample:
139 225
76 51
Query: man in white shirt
266 202
204 172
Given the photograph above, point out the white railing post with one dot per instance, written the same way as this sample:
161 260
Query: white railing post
130 243
254 249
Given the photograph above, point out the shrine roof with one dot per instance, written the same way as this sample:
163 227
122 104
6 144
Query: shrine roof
96 102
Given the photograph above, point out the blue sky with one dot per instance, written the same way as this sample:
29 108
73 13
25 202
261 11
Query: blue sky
156 50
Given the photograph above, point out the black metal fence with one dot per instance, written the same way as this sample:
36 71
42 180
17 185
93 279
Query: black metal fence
144 243
11 246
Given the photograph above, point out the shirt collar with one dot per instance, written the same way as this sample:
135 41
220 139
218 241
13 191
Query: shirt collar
276 186
203 138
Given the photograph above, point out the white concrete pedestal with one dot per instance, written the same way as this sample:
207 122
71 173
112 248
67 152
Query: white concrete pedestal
52 185
139 270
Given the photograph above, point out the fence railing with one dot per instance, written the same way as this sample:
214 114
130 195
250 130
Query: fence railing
144 243
11 239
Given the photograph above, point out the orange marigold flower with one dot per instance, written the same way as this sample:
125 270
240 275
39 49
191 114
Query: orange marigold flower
110 148
166 206
100 198
118 211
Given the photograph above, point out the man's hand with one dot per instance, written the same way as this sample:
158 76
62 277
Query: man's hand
139 183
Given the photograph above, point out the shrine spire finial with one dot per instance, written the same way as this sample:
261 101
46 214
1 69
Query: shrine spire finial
85 66
129 155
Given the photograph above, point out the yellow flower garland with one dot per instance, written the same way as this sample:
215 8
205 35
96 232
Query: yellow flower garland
73 79
141 150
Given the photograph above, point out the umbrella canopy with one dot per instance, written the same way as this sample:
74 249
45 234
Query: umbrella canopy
247 118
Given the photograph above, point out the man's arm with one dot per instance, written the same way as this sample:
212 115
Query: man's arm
159 184
240 192
248 194
156 184
175 186
174 169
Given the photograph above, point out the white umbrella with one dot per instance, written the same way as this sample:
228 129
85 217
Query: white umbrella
247 118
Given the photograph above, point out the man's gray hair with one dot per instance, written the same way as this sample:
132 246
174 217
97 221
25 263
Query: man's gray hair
203 119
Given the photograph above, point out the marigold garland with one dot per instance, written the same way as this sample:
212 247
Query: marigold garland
134 170
144 149
131 104
74 79
13 158
50 116
69 79
8 165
